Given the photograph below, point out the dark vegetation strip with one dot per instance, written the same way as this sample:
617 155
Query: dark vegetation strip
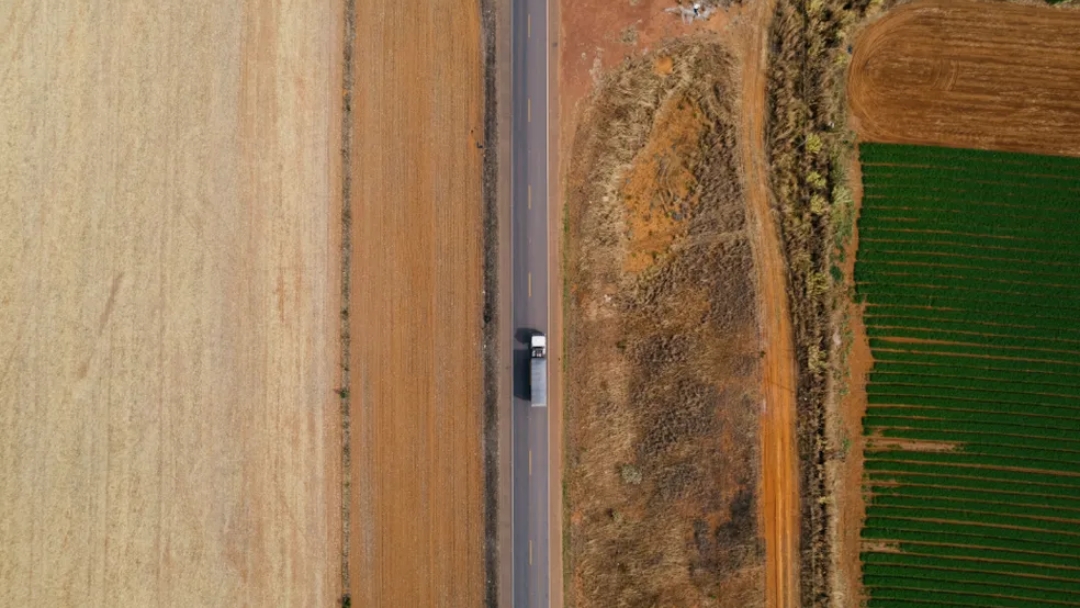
1019 381
886 482
972 565
1065 532
973 364
492 320
348 36
995 595
953 575
948 464
965 551
970 350
967 504
935 496
961 418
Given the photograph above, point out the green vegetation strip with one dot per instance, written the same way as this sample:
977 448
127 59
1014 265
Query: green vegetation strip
970 275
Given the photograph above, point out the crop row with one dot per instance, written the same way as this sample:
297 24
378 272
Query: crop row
915 490
1022 515
987 318
914 355
972 198
978 390
887 257
1005 345
1046 244
1059 337
976 586
958 301
959 464
986 554
972 350
1025 380
1021 423
947 246
898 181
1026 575
975 433
956 158
994 220
1009 583
887 474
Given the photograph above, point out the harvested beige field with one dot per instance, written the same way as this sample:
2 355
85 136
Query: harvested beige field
970 74
168 304
416 306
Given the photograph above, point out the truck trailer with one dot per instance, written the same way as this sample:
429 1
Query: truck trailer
538 370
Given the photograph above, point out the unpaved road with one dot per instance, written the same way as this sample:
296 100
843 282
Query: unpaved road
779 457
417 527
168 304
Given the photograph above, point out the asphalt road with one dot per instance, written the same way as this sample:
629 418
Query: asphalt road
529 219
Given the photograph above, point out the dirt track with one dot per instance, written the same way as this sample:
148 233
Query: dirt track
954 73
168 304
779 460
416 363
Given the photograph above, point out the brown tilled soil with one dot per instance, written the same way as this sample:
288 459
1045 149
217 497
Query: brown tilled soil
662 410
169 432
416 296
970 74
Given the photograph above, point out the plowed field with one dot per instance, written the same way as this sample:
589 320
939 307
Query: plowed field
415 312
955 73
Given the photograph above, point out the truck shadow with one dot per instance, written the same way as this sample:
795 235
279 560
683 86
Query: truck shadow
521 362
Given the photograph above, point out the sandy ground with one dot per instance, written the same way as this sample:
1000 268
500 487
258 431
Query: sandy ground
952 73
168 304
416 363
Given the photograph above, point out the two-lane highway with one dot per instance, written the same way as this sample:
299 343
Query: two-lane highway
529 239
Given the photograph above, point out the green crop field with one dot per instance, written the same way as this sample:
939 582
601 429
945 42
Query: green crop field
969 269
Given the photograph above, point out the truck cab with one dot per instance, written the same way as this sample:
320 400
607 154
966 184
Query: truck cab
538 346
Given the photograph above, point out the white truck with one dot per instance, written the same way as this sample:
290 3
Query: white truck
538 370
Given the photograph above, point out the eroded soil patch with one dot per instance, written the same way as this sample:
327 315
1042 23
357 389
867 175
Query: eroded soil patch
662 410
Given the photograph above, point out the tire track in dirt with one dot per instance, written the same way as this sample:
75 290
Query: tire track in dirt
779 461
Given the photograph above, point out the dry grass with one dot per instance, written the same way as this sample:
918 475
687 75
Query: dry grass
168 304
807 148
662 410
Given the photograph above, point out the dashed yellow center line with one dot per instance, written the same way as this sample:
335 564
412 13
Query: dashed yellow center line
530 552
528 26
528 109
530 284
529 197
530 462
